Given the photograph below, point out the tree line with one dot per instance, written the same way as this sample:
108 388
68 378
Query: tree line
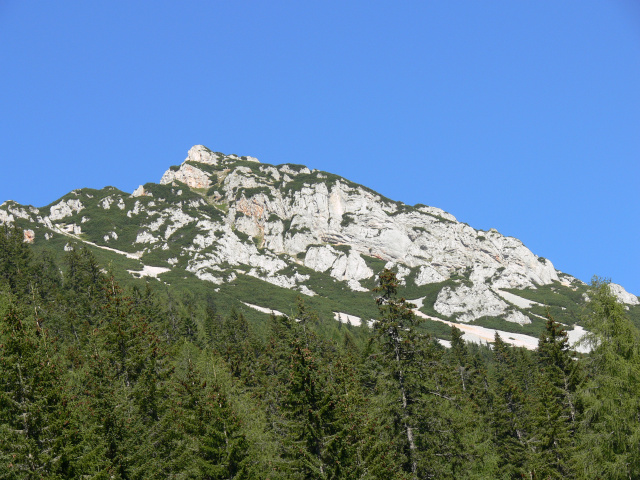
98 381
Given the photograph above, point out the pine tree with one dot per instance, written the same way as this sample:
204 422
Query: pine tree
419 396
81 297
468 448
36 438
188 325
208 444
236 346
509 411
395 335
212 322
609 434
15 259
148 307
122 392
555 414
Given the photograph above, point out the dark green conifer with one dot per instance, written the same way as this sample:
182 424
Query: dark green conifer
555 409
15 259
509 412
609 433
208 443
37 439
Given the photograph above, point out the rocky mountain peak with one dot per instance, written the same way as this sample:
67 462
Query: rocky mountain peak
220 216
201 154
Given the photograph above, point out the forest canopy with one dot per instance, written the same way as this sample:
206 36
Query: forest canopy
102 381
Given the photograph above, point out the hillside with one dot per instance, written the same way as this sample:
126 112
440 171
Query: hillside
236 226
217 325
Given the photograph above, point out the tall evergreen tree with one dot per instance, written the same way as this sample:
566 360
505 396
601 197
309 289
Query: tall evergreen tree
188 324
609 434
468 449
36 438
396 338
235 344
15 259
122 390
81 300
208 442
509 412
555 410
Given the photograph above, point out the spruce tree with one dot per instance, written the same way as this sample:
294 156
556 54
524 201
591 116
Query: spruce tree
509 412
208 443
609 433
15 259
121 391
395 337
37 439
555 410
469 450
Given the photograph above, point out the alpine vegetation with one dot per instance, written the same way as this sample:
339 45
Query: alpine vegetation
245 320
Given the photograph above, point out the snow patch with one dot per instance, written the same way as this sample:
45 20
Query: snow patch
575 336
478 334
148 271
264 310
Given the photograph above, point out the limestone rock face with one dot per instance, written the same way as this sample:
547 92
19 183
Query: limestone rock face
193 177
293 211
140 192
429 274
29 236
341 266
219 216
65 209
6 217
201 154
470 302
622 295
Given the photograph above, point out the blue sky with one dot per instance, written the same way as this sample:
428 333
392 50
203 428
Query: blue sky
521 116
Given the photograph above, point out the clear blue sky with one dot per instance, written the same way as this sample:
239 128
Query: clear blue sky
522 116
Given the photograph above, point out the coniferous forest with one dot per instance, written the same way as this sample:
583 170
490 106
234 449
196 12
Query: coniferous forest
99 381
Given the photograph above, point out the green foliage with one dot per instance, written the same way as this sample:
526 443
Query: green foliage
534 329
555 416
562 302
610 429
242 236
147 380
346 249
252 192
209 443
375 264
347 219
509 410
36 439
212 191
15 258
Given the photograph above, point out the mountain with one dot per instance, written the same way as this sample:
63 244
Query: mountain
259 233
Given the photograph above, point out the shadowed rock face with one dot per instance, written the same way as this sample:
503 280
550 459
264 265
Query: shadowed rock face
236 215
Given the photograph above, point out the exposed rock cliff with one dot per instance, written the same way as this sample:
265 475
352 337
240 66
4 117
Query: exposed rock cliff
219 216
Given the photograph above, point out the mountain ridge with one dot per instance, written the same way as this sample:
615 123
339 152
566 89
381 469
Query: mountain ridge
221 216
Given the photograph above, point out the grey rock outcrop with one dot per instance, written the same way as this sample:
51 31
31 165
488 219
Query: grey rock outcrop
304 214
220 216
